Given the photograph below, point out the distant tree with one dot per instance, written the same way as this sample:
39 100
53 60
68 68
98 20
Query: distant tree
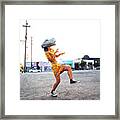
86 57
96 62
83 64
90 65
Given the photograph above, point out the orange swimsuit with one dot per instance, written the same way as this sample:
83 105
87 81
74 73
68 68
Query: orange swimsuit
51 57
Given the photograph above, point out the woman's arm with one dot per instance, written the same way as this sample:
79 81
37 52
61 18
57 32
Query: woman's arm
60 54
56 51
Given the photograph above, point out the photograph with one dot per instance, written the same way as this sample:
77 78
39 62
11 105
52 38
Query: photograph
59 59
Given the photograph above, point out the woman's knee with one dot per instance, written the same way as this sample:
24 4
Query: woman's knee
57 82
68 67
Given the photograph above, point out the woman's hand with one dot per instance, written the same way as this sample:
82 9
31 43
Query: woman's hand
57 50
62 53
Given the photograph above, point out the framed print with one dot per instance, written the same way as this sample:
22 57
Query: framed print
59 59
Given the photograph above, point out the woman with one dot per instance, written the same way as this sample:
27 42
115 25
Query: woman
57 68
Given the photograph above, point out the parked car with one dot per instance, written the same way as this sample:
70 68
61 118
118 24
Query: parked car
34 70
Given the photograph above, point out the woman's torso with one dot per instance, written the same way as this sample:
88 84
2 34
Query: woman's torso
51 57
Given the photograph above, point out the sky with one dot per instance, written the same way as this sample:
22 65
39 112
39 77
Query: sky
76 34
74 37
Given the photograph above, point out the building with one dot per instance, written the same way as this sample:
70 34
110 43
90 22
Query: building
92 63
45 66
41 65
86 63
68 62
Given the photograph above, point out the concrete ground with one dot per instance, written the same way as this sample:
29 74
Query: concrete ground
37 86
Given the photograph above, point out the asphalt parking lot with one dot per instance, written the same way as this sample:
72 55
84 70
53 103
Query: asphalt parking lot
37 86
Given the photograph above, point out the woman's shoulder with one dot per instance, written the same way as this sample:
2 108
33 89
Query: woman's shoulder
49 52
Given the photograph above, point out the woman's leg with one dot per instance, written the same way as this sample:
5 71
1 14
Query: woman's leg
56 83
69 71
68 68
57 76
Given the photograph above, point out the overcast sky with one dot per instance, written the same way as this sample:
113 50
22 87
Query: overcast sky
75 37
76 34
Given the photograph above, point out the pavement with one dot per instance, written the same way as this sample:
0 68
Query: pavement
37 86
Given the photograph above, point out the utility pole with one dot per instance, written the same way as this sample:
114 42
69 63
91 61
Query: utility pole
31 52
26 26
